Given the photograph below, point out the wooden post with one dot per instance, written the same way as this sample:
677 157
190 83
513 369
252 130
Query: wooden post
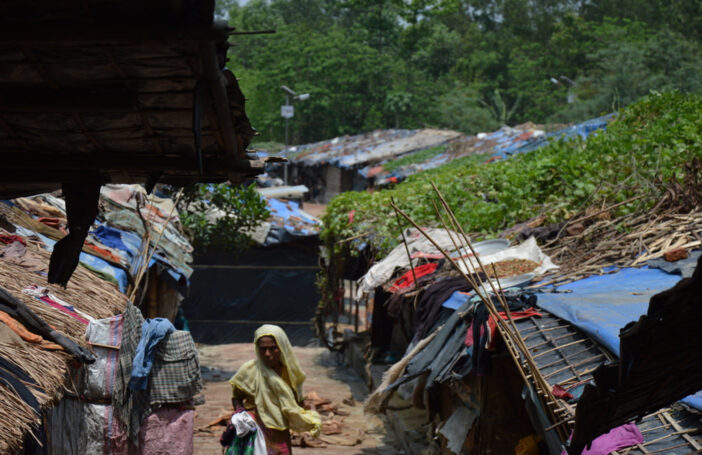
152 294
353 294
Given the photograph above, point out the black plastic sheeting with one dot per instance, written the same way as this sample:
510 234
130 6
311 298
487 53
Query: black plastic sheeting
278 235
231 296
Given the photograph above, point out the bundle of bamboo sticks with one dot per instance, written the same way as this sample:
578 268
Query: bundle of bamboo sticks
559 415
627 241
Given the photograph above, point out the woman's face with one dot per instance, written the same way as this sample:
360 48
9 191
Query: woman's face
270 352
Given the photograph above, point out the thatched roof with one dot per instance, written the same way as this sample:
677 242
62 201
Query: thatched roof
118 91
50 369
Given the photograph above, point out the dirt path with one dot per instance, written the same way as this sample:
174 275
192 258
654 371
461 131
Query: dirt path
324 376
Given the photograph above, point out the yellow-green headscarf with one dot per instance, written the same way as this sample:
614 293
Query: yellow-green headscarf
276 403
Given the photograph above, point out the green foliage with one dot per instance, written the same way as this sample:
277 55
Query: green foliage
468 65
219 216
418 157
462 109
651 139
631 61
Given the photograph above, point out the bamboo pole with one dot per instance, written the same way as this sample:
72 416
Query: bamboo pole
148 257
404 242
510 334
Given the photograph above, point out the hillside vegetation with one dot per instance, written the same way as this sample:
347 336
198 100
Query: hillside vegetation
467 65
642 149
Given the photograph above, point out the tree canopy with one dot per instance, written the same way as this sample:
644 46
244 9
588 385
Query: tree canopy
469 65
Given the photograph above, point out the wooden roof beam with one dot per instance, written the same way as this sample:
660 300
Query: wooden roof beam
218 87
116 162
110 100
66 33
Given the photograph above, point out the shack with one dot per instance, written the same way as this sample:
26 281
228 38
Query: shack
554 372
94 94
465 369
385 157
116 92
331 167
593 340
73 347
496 145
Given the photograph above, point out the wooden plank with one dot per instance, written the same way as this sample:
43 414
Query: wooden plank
681 431
218 83
135 162
31 34
560 347
106 100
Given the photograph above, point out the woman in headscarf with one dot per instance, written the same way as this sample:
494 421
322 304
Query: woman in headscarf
270 389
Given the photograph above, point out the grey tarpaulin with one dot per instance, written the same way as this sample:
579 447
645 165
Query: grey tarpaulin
456 428
440 352
99 378
684 267
77 427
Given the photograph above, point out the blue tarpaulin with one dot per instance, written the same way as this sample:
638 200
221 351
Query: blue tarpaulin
601 305
582 130
131 244
292 218
457 300
118 239
95 263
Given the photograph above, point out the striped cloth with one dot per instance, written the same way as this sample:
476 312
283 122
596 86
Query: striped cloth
175 375
132 406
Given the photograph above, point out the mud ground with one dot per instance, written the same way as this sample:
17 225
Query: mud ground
326 375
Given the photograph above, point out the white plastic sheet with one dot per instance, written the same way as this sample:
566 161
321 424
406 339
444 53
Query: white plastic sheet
527 250
99 377
382 271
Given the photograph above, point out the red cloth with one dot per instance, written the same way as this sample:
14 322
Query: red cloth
559 392
104 253
11 238
492 326
407 279
51 222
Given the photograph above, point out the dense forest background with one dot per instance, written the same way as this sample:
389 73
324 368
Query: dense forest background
469 65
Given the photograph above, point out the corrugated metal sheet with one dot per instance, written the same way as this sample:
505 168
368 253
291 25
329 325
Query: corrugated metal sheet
353 151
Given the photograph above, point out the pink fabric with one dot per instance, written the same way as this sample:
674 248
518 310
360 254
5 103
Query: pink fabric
626 435
115 442
167 431
49 301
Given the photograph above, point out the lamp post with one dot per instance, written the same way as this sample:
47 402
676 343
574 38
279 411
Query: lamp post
287 112
571 83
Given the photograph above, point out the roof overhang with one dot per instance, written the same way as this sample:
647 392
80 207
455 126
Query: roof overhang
118 91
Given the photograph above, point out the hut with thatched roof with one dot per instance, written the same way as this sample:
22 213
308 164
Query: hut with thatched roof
66 353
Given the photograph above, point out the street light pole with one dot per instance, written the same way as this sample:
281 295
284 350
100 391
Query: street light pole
287 103
286 111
